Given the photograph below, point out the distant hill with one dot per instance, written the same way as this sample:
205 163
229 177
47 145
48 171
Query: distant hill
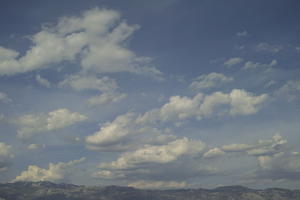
52 191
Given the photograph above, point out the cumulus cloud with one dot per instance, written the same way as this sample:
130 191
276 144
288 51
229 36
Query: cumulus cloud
118 134
113 135
156 154
34 146
4 98
283 165
91 82
42 81
237 102
54 120
126 133
59 172
289 91
158 184
104 98
209 81
242 33
253 65
261 148
5 156
107 86
158 162
270 48
233 61
96 39
214 152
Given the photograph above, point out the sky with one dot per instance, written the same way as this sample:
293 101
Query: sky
150 94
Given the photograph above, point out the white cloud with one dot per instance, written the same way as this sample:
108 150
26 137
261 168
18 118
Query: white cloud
157 154
253 65
266 47
113 133
59 172
289 91
158 162
42 81
261 148
80 82
209 81
233 61
242 33
104 98
4 98
57 119
236 147
104 84
5 156
119 134
158 184
96 38
215 152
34 146
237 102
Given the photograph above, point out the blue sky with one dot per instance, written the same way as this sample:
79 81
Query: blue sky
150 94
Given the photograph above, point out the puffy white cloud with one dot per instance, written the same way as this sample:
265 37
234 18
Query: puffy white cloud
96 38
270 48
237 102
158 162
112 134
4 98
209 81
157 154
54 120
214 152
253 65
42 81
104 98
233 61
126 132
289 91
59 172
118 134
5 156
158 184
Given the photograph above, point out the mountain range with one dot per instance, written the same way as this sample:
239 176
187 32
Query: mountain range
62 191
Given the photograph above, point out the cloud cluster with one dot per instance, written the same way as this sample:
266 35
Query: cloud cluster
175 160
5 156
209 81
275 159
105 85
59 172
237 102
253 65
233 61
4 98
289 91
42 81
270 48
54 120
96 39
118 134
